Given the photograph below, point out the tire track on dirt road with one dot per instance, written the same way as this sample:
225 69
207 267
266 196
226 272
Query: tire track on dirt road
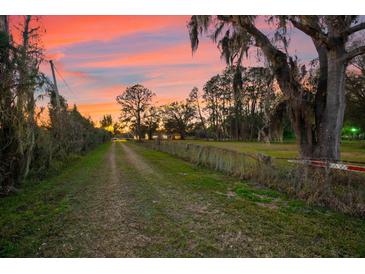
102 224
136 202
196 217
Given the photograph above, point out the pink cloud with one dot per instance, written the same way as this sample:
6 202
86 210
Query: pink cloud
180 54
65 30
171 70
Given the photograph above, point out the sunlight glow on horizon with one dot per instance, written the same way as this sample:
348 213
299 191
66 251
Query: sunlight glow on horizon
99 56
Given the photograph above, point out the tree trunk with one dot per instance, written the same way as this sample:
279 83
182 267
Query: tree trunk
329 131
7 130
317 127
28 155
300 113
139 133
237 122
237 88
202 119
27 89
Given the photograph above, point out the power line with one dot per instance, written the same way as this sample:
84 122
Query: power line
64 81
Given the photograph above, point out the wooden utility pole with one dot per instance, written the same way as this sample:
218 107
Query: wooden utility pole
56 123
55 88
4 25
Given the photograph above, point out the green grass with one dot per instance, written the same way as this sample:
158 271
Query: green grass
275 224
171 209
29 217
350 150
257 195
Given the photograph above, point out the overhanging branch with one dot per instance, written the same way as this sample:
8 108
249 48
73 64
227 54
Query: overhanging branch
313 31
355 52
355 28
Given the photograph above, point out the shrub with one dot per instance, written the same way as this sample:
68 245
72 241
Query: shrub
336 189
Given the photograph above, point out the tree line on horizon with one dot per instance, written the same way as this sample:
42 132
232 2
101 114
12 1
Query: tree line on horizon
242 103
28 146
258 113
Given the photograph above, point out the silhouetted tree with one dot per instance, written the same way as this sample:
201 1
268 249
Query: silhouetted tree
178 117
151 120
106 121
355 90
355 94
194 98
244 111
134 102
218 100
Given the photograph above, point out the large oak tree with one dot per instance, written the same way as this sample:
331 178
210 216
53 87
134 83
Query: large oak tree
317 117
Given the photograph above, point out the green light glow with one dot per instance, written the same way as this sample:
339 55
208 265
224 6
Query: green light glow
353 129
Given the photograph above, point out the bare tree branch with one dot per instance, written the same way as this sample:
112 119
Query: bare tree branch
355 52
310 29
355 28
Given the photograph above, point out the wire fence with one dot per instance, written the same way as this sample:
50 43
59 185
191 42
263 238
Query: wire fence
338 189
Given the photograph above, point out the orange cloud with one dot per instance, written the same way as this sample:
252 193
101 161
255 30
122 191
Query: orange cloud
97 110
180 54
96 75
64 30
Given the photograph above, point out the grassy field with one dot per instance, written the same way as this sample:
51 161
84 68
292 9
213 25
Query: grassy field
34 214
124 200
350 151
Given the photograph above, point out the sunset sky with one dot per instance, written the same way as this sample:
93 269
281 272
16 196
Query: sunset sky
99 56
